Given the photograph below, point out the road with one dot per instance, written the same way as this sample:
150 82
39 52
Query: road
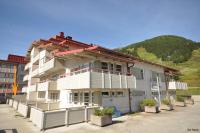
180 120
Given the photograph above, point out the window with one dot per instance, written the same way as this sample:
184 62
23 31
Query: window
118 68
111 67
139 73
86 98
22 67
70 98
104 65
105 94
113 94
54 96
120 93
41 94
75 98
162 76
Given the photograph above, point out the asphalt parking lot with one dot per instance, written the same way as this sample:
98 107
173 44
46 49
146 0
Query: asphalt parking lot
180 120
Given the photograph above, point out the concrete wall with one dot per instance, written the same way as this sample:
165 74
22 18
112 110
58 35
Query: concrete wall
10 102
23 109
15 104
76 115
37 117
54 118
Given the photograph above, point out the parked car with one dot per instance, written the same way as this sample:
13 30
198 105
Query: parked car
2 99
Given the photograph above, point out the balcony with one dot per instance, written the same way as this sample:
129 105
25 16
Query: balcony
27 66
24 89
32 88
35 73
91 78
50 66
177 85
36 58
48 85
25 78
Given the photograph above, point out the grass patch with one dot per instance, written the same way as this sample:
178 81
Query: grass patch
190 91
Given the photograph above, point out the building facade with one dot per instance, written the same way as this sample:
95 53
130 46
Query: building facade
7 73
73 73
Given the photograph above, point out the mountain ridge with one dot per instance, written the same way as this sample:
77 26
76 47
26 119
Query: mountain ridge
172 51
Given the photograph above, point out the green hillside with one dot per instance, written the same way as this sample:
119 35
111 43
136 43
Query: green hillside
172 51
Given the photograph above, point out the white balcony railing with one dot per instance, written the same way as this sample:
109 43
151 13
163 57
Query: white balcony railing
27 66
51 65
35 72
32 88
25 78
177 85
48 85
96 78
35 58
24 89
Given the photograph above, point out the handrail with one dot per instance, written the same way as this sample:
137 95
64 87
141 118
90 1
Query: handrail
88 69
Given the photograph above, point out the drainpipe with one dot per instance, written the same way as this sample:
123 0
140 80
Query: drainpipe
167 89
129 99
158 90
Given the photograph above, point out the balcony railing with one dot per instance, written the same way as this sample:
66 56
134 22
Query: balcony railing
96 78
51 65
177 85
48 85
24 89
25 78
35 58
27 66
35 72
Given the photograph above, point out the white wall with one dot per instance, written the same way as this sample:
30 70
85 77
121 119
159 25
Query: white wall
120 102
64 98
145 84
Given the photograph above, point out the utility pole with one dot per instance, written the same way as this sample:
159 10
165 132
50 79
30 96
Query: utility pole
15 81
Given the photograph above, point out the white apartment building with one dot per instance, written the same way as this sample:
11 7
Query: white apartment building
73 73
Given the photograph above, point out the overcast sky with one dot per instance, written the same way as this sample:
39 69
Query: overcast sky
110 23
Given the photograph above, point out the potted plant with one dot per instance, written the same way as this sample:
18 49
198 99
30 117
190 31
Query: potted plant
180 101
149 106
166 105
188 99
102 117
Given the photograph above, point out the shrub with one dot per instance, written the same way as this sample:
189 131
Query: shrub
104 111
108 111
98 112
148 102
179 98
165 101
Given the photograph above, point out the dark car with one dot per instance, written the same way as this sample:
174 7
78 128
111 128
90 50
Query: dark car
2 99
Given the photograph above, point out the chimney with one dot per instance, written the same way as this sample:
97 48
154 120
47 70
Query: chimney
69 37
61 34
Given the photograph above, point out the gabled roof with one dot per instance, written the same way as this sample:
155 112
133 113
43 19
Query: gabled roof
59 45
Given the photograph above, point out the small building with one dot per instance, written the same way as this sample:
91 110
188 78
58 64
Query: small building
73 73
7 74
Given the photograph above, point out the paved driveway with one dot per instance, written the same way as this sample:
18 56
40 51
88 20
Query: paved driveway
181 120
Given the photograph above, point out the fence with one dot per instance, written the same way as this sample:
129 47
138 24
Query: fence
48 115
54 118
